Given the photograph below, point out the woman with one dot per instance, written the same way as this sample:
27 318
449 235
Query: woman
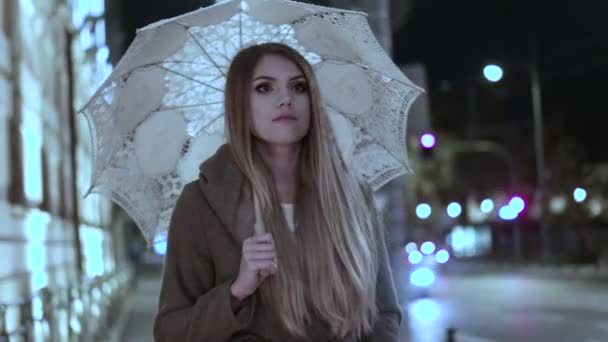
319 272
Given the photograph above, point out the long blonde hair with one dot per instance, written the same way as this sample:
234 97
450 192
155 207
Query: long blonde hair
328 268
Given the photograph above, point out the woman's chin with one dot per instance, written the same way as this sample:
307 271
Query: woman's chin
282 140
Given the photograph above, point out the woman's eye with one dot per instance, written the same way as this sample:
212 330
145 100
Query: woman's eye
301 87
263 88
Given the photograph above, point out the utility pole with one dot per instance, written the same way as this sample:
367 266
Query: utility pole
539 200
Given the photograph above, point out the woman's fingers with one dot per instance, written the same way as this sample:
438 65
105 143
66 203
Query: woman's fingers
259 247
259 239
261 265
260 256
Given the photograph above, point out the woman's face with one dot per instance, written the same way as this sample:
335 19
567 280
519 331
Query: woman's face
279 101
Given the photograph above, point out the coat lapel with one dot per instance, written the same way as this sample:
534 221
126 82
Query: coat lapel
222 184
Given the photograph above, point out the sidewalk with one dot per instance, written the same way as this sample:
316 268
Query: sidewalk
137 320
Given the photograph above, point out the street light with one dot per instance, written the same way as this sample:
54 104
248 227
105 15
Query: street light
493 73
580 195
532 69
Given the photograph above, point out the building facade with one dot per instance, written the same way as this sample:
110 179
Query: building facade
62 253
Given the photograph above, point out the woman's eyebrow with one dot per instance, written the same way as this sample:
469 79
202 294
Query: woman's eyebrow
274 79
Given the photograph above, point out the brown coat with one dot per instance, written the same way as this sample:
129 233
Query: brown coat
211 220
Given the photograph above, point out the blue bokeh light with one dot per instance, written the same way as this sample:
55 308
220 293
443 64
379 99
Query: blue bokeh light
508 213
442 256
423 211
160 244
454 209
410 247
427 247
487 206
414 257
428 140
518 204
580 194
493 73
422 277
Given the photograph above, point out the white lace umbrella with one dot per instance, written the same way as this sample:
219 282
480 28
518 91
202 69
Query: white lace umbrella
160 113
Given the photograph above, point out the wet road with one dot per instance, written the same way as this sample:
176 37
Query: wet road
506 307
480 306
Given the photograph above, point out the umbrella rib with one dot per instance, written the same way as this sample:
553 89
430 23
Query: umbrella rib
216 50
207 42
212 122
188 106
191 79
366 67
167 68
241 29
206 53
371 136
287 33
183 62
183 92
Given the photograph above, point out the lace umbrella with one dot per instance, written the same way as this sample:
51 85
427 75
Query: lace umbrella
160 113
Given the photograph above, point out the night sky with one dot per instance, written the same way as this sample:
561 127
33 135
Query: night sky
454 39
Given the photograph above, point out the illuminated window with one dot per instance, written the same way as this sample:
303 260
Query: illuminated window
100 33
31 134
92 250
82 8
28 7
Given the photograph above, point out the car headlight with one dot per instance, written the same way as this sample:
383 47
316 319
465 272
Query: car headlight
442 256
415 257
422 277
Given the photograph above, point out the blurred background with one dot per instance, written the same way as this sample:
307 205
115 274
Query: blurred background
500 234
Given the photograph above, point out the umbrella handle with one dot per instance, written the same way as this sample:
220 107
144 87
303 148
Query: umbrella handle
258 226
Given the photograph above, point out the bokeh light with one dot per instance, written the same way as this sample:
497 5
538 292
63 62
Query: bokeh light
428 140
423 211
160 244
493 73
410 247
518 204
442 256
427 247
415 257
454 209
580 194
487 206
507 213
422 277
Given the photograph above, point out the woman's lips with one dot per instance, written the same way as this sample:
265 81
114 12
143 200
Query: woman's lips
285 117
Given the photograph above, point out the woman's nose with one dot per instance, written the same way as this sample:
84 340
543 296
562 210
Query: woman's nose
285 99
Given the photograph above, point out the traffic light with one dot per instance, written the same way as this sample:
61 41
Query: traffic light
427 143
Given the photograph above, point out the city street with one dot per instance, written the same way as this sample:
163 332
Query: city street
508 307
484 306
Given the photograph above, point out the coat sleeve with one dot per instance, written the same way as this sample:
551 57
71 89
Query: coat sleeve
191 307
386 328
387 325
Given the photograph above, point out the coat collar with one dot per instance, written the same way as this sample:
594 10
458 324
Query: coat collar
222 184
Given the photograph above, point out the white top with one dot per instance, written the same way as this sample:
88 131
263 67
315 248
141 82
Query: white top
288 211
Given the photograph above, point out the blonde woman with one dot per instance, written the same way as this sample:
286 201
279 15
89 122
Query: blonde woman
318 271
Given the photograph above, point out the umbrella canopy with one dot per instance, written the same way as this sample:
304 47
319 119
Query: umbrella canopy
161 111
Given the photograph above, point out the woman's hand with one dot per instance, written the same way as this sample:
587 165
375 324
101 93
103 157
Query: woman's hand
258 261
